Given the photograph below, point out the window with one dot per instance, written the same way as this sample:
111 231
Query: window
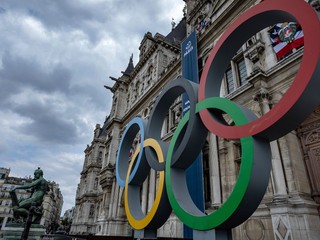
229 80
173 118
95 186
242 72
236 74
167 123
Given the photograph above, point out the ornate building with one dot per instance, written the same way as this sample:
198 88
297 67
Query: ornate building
52 202
257 77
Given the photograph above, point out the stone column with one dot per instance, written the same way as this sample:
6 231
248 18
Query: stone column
144 200
278 178
152 188
116 198
214 171
111 205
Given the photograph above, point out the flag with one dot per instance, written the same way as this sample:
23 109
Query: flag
201 26
285 37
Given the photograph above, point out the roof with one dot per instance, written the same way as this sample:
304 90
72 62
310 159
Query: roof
130 66
178 33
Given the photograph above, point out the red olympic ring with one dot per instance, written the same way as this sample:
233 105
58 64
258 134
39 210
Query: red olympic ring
303 95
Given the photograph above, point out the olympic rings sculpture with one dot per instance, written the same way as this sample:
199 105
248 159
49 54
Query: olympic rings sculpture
206 114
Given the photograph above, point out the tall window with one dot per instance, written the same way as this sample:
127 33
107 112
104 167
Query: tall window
242 72
236 75
229 81
95 186
167 124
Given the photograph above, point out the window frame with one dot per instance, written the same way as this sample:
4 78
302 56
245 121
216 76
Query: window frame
235 71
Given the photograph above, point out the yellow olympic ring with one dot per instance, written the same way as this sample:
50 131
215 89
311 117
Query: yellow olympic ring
145 221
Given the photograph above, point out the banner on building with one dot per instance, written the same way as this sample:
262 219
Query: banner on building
285 37
194 173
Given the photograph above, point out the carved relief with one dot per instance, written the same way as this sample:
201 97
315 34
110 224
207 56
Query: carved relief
314 169
309 134
312 137
281 228
109 178
254 229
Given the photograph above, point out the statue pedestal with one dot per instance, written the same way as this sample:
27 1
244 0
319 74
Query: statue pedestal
14 232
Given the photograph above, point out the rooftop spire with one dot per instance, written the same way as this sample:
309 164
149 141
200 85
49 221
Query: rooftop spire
130 66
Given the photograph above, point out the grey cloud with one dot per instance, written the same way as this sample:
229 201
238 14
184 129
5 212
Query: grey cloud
18 73
120 17
47 123
61 15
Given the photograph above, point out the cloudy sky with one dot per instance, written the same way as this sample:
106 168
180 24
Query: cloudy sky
55 57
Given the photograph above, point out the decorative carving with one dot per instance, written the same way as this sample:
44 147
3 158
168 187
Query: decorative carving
254 229
309 134
310 127
254 51
109 177
262 96
312 137
281 228
317 153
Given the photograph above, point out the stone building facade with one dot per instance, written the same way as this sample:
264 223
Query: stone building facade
255 78
52 202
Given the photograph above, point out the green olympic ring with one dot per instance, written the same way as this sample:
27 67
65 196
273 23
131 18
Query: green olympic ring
253 168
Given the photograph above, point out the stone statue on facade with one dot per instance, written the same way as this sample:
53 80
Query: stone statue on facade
22 207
